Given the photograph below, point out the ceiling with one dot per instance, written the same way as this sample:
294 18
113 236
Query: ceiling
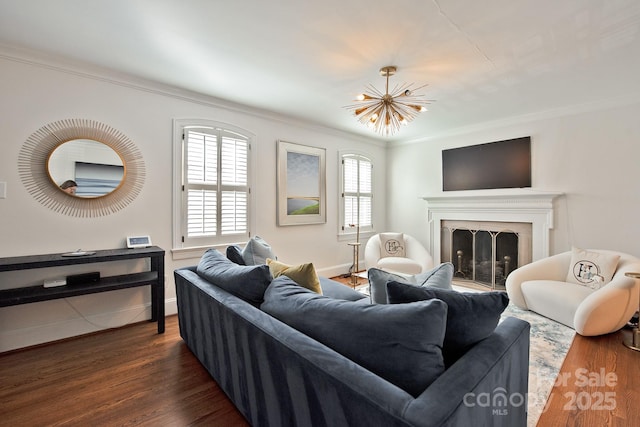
483 61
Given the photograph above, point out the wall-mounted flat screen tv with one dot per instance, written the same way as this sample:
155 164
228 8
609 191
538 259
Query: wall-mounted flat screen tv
501 164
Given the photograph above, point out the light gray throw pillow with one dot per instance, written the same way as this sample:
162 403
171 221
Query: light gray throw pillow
440 277
256 251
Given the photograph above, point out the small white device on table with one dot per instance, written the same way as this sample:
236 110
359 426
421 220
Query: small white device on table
138 242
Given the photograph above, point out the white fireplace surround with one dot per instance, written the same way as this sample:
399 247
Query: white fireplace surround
517 206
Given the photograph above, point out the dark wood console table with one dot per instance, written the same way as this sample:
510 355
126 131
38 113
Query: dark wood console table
153 278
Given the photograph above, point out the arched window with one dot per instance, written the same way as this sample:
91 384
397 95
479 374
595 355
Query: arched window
213 192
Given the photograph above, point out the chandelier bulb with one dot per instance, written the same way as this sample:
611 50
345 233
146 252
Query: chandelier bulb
363 97
418 108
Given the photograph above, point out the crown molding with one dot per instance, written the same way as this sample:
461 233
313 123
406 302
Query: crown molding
553 113
85 70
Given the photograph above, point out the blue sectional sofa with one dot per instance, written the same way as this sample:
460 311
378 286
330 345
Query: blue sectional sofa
279 376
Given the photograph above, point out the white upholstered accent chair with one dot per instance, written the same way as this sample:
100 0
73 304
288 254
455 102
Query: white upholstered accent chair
416 260
541 287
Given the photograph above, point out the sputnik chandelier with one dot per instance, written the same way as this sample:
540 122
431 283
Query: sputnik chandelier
386 112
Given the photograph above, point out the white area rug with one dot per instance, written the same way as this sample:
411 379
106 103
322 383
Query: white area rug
549 344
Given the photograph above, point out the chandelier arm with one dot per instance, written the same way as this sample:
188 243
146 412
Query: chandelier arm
407 113
366 115
375 91
412 91
398 90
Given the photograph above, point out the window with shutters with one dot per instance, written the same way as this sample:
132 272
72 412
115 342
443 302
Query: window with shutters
357 193
214 188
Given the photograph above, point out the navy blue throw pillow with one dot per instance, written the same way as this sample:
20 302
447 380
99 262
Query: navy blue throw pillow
471 317
234 253
389 340
246 282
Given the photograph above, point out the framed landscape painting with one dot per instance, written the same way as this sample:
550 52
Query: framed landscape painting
301 184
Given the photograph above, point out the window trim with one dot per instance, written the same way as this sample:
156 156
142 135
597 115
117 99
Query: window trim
348 233
179 249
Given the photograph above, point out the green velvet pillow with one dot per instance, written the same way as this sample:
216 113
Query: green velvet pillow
471 317
389 340
304 274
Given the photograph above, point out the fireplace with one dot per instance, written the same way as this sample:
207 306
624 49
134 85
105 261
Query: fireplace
485 252
487 234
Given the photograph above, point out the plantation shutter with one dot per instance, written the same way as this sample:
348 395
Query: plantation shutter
234 189
357 191
216 185
365 170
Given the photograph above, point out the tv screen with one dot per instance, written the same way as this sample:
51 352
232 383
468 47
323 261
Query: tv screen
501 164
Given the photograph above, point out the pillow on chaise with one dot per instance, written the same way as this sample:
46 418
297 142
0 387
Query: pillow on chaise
471 317
304 274
388 340
439 277
591 269
256 251
246 282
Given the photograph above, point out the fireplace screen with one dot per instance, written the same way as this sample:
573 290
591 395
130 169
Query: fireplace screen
482 256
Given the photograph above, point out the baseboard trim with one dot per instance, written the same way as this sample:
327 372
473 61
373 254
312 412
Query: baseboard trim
18 339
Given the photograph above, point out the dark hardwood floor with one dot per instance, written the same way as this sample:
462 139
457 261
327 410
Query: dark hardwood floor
121 377
132 376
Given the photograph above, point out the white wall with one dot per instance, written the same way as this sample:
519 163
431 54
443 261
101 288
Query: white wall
591 157
34 95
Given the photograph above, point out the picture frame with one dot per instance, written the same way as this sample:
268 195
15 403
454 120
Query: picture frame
301 184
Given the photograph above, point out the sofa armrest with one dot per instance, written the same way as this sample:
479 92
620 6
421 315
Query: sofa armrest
497 367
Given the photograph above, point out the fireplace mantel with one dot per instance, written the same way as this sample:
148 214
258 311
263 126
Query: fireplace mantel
518 205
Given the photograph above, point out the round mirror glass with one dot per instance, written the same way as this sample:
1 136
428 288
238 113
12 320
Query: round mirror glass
85 168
